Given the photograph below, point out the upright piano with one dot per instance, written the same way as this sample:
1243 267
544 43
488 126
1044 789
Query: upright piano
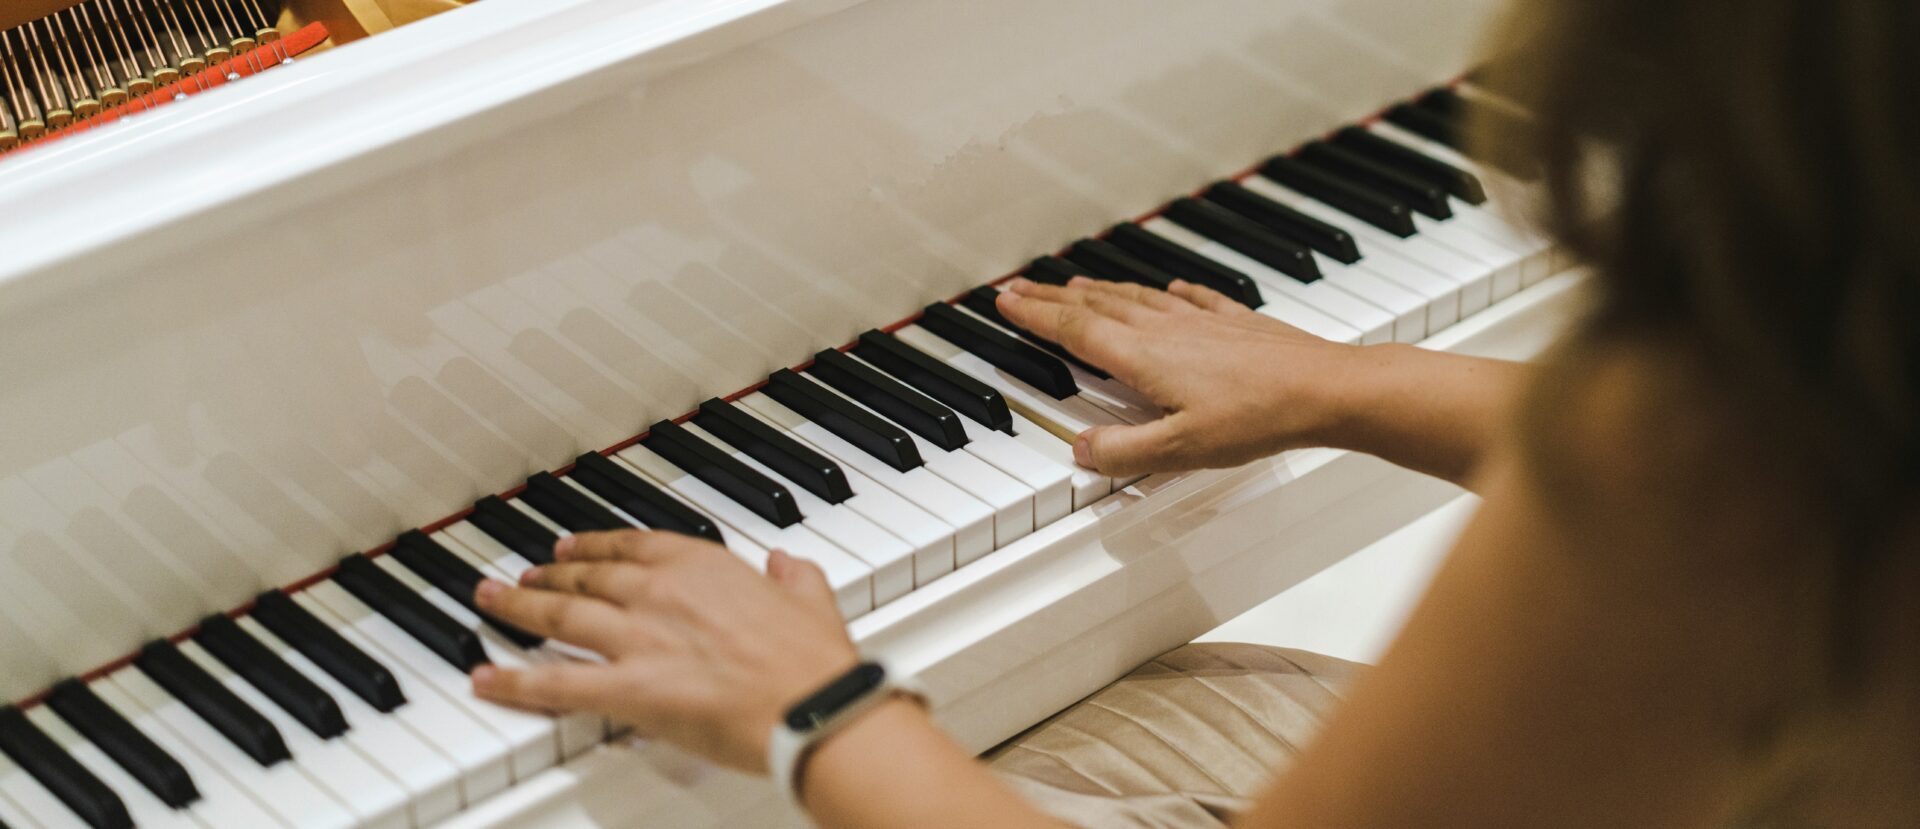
286 366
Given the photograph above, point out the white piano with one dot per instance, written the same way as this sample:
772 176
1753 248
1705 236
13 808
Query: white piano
297 317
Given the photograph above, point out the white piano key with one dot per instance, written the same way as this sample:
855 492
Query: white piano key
890 556
577 731
145 809
431 780
1383 312
1506 265
972 520
851 578
1051 481
932 539
221 803
26 794
1011 501
1106 393
1474 278
1065 419
1086 485
482 755
281 788
1544 259
532 739
369 793
10 813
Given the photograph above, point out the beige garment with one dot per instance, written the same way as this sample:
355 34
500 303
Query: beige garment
1185 741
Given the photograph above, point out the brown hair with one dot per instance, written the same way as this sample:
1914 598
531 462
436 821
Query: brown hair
1744 181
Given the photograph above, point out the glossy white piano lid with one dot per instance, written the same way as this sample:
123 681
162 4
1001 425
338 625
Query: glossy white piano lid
288 318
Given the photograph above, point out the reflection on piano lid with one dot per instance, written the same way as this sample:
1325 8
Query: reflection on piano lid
893 463
96 62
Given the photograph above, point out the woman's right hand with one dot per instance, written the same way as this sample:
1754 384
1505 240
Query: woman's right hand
1236 385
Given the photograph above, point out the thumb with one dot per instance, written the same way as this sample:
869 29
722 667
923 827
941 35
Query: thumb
800 577
1133 450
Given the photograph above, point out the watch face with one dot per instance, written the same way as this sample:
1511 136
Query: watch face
838 694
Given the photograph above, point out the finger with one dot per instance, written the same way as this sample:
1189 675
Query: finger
1153 298
1120 306
637 546
556 687
1158 446
802 578
1206 298
590 623
1063 294
617 582
1091 336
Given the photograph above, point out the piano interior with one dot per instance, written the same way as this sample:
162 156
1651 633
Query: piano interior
70 66
292 364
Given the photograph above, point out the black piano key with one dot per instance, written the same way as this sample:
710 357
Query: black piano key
1428 198
452 575
1032 366
1372 207
352 667
1246 236
331 651
767 498
411 612
568 507
131 749
1182 262
212 702
1115 265
266 671
514 529
1286 221
853 424
933 422
638 497
1464 185
62 775
1053 270
936 379
982 301
792 459
1426 123
1443 102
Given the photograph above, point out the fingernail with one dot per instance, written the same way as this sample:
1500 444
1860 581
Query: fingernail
527 576
1079 282
1020 283
1178 283
563 547
488 591
482 677
1012 297
1083 452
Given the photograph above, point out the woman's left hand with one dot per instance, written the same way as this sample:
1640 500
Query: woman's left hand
701 650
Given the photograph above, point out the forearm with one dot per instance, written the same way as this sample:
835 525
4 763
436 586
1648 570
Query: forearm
895 768
1428 411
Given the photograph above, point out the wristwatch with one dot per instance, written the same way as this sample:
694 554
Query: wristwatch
826 711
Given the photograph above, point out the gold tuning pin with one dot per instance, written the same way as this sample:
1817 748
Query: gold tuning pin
112 96
9 132
8 140
58 119
86 108
267 35
192 65
32 128
137 87
243 45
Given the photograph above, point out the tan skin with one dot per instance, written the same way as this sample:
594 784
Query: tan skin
1593 717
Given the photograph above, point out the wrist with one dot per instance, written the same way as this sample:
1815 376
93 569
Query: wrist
1347 401
878 728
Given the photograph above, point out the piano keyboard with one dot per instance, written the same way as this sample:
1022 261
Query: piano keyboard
892 463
